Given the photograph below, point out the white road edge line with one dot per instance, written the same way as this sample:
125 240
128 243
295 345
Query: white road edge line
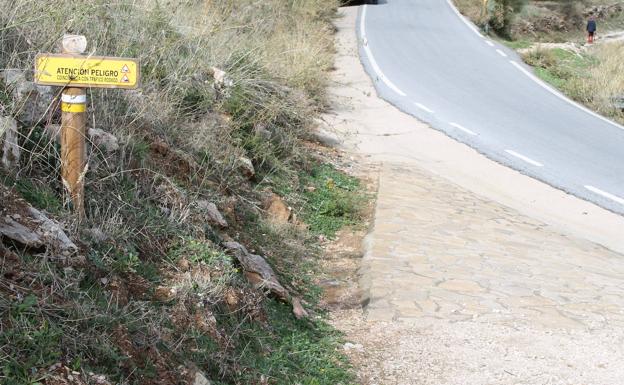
503 54
605 194
488 42
459 127
371 58
423 107
534 78
524 158
462 18
563 97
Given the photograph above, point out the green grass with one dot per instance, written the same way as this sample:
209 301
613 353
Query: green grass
550 78
333 200
303 352
517 44
561 68
39 195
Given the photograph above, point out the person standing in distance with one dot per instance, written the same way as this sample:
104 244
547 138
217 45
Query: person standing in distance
591 29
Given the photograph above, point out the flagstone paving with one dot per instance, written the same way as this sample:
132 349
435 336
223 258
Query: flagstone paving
439 252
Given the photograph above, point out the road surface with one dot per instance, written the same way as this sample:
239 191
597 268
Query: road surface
428 61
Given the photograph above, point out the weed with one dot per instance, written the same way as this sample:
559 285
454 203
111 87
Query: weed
333 200
38 194
295 353
517 44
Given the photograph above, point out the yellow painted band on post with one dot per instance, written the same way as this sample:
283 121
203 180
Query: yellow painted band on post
73 107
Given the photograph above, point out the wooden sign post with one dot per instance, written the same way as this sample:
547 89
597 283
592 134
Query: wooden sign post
76 72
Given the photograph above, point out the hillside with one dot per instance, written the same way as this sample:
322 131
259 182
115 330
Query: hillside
207 198
541 20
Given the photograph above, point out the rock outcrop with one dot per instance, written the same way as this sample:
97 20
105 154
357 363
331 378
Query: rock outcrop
25 225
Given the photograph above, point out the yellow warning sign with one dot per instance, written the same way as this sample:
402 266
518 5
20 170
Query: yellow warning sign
86 71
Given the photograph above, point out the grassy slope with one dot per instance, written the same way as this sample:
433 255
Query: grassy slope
154 294
593 78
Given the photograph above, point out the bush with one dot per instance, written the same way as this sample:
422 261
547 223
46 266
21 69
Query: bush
502 13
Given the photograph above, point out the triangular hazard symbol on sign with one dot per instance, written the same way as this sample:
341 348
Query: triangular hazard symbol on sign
125 69
124 79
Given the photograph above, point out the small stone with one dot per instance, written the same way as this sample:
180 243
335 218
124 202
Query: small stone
200 379
350 346
213 215
103 140
277 210
298 309
246 167
257 270
11 150
221 79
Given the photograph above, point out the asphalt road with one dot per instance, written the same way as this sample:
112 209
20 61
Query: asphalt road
430 62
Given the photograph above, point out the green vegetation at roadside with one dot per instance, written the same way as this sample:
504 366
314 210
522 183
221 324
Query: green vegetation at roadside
591 77
517 44
561 68
329 198
332 200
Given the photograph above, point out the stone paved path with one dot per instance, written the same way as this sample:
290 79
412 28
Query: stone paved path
440 252
464 291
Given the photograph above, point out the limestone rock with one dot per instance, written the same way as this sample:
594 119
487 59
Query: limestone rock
20 233
200 379
323 135
103 140
51 232
11 151
298 309
34 101
277 211
246 167
212 213
222 82
257 270
260 274
28 226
